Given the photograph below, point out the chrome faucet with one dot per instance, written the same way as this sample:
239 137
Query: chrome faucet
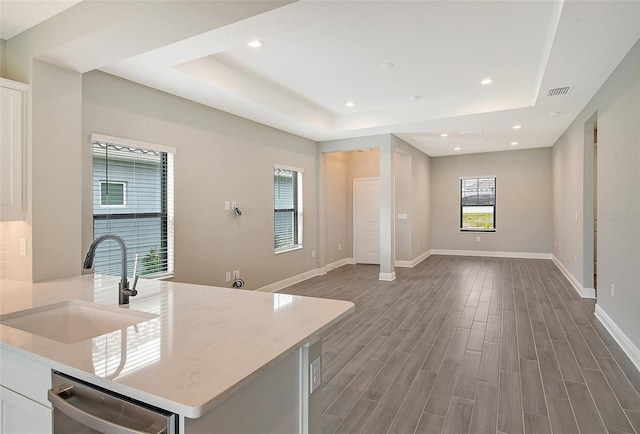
123 288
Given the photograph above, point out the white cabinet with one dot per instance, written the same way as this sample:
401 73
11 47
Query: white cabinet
23 395
20 415
12 139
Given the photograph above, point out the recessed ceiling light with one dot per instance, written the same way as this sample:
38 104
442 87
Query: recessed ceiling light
514 143
517 127
456 149
553 114
256 43
350 104
387 65
487 81
444 135
415 98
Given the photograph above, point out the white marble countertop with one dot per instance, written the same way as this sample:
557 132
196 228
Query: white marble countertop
206 343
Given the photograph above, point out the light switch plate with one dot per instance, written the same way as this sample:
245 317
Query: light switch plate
315 375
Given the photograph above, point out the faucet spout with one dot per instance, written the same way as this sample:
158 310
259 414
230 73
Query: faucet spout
123 289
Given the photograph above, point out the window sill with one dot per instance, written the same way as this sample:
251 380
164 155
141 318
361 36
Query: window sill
288 249
162 277
477 230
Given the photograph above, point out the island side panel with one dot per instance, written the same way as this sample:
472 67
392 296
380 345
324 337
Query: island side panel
315 399
269 404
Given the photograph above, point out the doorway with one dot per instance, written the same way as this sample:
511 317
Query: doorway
590 207
595 208
366 220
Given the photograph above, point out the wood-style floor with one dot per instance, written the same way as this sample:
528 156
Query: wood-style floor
471 345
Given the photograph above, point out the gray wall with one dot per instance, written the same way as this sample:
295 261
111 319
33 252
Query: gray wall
420 198
523 201
336 203
402 199
56 171
617 107
218 157
3 57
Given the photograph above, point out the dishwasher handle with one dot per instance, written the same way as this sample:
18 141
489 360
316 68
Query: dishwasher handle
58 395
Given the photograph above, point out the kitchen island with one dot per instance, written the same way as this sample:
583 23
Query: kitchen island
223 360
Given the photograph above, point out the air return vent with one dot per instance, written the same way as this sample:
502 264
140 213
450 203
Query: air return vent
559 91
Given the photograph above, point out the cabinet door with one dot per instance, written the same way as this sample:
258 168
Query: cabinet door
20 415
11 165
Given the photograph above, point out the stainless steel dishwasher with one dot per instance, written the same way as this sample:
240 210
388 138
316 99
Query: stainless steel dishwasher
81 408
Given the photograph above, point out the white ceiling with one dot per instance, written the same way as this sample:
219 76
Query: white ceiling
17 16
317 55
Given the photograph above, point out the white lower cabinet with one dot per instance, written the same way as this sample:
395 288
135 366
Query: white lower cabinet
20 415
23 394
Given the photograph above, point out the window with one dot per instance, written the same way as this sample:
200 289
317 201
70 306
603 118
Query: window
113 193
478 204
287 216
133 198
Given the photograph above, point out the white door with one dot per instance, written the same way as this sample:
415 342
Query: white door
366 220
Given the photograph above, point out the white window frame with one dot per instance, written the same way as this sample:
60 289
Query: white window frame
299 208
171 152
124 194
495 205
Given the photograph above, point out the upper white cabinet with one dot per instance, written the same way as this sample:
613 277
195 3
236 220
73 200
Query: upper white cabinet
12 140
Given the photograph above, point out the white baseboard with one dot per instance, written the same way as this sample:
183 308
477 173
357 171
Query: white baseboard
582 291
277 286
630 349
414 262
421 258
492 254
387 277
337 264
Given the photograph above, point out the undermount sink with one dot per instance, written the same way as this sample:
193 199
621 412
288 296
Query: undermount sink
73 321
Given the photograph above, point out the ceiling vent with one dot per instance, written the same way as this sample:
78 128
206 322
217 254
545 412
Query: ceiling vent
559 91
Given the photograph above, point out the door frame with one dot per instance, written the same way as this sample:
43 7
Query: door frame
355 181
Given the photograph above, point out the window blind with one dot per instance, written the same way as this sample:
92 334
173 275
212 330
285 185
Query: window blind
133 198
287 193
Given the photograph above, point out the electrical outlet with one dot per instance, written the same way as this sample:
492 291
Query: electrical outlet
313 253
315 375
23 247
228 276
575 216
339 246
227 205
236 274
575 260
234 205
478 239
613 290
